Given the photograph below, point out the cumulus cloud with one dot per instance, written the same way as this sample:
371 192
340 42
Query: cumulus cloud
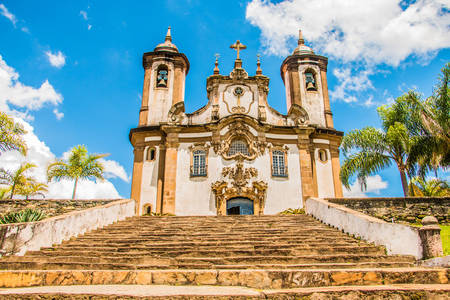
361 35
114 170
374 185
382 31
5 12
19 99
58 59
351 84
41 155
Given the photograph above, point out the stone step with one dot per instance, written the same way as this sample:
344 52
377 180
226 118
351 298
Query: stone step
203 292
212 252
255 278
132 260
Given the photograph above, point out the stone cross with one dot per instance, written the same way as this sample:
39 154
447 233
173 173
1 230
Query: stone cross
238 46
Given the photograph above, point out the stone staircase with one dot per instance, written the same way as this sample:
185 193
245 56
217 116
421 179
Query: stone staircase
266 252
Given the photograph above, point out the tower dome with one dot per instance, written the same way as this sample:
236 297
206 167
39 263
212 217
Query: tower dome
167 46
302 48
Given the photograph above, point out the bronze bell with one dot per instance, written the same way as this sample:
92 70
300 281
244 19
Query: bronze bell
310 86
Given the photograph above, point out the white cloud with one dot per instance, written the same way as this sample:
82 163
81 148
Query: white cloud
58 60
89 26
355 30
374 185
41 155
113 170
5 12
84 14
19 99
351 84
59 115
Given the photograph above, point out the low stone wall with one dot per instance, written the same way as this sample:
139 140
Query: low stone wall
51 207
397 238
401 210
19 238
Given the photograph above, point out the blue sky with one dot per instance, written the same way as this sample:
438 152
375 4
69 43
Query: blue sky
72 69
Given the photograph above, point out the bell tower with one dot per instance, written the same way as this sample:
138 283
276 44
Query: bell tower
305 78
164 82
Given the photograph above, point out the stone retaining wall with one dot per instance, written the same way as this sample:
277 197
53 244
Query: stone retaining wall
51 207
21 237
397 238
401 210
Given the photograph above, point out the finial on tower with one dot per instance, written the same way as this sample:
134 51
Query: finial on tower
238 46
301 41
168 35
258 64
216 68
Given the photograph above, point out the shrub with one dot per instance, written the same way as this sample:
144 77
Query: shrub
293 211
26 215
157 214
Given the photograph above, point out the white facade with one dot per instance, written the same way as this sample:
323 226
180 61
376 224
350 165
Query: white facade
281 160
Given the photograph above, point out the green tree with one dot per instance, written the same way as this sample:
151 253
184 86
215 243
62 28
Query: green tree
369 150
11 135
432 150
433 187
16 179
31 188
80 165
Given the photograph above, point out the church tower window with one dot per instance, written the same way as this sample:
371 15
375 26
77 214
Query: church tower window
162 76
279 168
310 81
198 167
323 157
151 154
238 146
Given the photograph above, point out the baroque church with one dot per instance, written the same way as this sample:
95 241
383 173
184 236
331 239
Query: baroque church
235 155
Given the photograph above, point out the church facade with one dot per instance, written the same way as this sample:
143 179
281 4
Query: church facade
235 155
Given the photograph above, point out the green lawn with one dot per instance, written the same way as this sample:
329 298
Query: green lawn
445 236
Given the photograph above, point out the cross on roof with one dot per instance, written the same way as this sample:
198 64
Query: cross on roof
238 46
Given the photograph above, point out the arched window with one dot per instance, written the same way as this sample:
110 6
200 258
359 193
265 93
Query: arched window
279 164
238 146
151 154
162 76
198 163
310 81
323 157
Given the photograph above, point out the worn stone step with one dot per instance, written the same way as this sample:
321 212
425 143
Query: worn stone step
210 251
203 292
272 259
255 278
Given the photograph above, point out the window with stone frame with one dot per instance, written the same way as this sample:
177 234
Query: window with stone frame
238 146
162 76
198 167
151 154
310 80
279 167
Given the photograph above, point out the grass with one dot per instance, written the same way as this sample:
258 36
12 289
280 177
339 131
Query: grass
445 236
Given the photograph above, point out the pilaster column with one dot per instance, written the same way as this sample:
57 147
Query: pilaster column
306 168
136 182
160 184
326 99
143 113
170 171
336 167
178 83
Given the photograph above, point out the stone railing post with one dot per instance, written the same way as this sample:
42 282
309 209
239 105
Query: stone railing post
430 234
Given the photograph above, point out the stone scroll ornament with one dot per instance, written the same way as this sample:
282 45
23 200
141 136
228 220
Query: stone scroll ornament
239 187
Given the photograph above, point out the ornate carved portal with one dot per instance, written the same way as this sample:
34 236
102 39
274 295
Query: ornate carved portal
239 187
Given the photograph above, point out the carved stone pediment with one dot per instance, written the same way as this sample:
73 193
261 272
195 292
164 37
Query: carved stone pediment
299 115
239 130
239 186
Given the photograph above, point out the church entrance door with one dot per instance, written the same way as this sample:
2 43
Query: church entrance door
240 206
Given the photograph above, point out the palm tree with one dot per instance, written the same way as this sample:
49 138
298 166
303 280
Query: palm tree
32 188
11 135
80 165
17 178
433 187
433 148
369 150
